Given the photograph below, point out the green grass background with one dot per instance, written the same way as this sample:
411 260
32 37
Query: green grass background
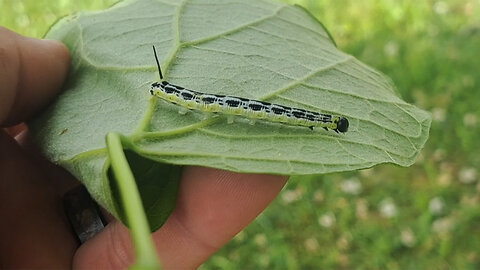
423 217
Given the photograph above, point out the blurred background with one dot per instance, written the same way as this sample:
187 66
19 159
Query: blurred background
426 216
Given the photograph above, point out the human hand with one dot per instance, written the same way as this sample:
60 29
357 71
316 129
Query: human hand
212 205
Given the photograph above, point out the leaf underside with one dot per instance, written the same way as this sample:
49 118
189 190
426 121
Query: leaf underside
255 49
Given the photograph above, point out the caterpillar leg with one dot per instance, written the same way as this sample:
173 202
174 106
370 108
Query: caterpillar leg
230 119
183 110
252 121
205 116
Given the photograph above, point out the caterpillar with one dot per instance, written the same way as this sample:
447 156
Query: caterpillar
249 108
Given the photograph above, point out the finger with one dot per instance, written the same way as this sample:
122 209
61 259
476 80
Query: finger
31 73
33 230
212 207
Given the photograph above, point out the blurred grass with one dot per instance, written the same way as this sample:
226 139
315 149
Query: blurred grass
423 217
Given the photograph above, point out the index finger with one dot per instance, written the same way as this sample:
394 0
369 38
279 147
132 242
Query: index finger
31 74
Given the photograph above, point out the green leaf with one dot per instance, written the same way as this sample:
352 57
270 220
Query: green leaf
254 49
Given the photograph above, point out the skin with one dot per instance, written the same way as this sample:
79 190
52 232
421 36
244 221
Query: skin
212 206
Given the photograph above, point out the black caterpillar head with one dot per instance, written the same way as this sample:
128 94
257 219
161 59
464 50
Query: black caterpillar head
342 125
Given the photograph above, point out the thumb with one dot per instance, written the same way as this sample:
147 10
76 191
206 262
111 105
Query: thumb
31 73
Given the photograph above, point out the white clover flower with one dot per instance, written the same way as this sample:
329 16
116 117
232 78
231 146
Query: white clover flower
408 238
436 206
351 186
327 220
388 208
289 196
467 175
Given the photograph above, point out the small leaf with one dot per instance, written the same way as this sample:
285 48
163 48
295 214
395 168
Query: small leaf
254 49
